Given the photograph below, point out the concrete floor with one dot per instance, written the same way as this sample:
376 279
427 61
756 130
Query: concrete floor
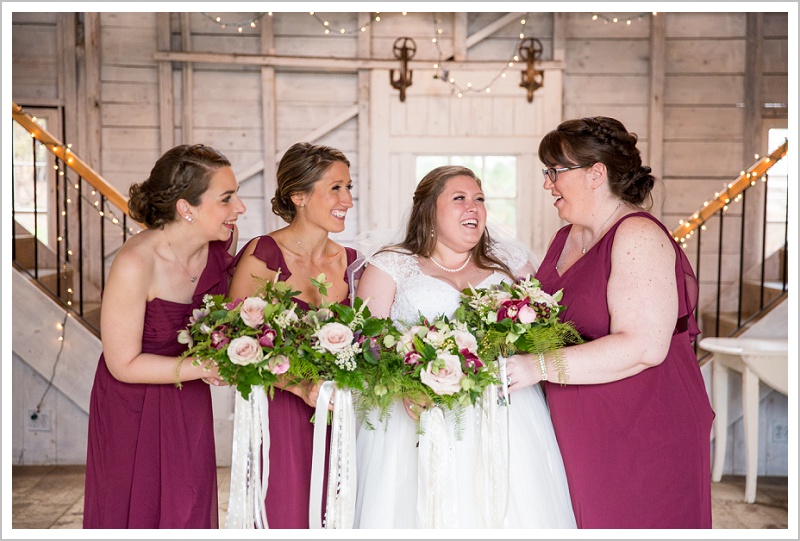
51 497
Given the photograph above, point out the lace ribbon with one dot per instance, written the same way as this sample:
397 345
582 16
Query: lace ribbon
249 462
494 446
436 483
341 489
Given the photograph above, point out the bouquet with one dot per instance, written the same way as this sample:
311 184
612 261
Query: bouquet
255 340
432 362
519 317
252 341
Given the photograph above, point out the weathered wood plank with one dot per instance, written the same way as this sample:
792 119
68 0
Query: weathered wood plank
609 57
581 25
704 57
706 25
704 89
130 93
776 56
611 90
128 46
704 123
129 74
703 158
339 87
119 115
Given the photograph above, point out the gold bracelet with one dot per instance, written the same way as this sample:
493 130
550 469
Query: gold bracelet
542 366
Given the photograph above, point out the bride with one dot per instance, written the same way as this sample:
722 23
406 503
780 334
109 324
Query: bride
446 249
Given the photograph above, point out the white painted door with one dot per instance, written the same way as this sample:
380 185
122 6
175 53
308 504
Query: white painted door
434 121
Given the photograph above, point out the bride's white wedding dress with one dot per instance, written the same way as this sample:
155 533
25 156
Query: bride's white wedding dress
388 455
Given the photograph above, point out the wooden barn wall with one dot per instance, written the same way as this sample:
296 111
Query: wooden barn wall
607 70
687 83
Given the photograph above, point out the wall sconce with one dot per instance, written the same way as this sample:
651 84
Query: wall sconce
404 50
530 50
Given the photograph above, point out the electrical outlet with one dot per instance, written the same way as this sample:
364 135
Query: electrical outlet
780 432
39 422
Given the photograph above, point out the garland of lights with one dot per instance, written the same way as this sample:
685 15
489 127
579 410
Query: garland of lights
628 20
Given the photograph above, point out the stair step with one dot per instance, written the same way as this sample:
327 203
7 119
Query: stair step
25 246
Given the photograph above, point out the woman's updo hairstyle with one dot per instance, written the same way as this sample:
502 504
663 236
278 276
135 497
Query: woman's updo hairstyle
301 166
605 140
183 172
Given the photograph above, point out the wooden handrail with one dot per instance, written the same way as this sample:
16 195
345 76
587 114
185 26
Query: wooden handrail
746 178
72 160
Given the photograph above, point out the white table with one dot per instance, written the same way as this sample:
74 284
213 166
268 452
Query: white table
757 359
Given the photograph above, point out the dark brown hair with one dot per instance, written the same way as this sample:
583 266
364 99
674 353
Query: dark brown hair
183 172
600 139
299 169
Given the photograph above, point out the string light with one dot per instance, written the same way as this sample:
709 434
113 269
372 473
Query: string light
374 18
628 20
732 192
240 26
444 74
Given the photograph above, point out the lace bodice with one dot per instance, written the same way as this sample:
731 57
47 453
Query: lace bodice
418 293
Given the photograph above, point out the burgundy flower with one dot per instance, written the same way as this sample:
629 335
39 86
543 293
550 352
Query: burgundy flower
510 308
233 304
413 358
267 338
218 339
471 360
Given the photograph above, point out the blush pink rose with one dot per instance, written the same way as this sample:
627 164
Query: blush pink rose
278 364
244 350
334 337
445 380
465 340
526 315
252 312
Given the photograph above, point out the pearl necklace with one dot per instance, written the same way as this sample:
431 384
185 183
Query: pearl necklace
447 269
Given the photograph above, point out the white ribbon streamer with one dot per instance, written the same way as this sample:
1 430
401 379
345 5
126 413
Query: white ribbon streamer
248 488
494 446
436 486
341 489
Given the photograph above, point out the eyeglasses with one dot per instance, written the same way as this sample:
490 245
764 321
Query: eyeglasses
552 172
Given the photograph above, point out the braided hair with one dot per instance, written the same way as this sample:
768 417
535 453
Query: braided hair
183 172
605 140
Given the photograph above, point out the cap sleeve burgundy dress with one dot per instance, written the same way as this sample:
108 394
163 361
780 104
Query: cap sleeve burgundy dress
636 451
150 460
290 431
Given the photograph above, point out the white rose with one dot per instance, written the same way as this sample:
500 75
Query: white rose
465 340
244 350
407 339
445 380
252 312
335 337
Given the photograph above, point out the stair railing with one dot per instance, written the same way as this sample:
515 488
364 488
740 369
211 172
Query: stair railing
725 308
89 219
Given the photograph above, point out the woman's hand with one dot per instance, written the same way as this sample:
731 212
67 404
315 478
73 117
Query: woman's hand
522 371
309 392
414 408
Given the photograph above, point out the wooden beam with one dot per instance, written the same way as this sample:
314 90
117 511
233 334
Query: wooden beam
460 28
269 124
364 154
166 101
317 64
187 90
493 27
658 62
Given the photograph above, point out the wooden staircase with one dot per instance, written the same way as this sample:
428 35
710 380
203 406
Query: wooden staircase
36 259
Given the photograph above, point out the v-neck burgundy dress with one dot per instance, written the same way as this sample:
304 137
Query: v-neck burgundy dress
291 432
151 461
637 450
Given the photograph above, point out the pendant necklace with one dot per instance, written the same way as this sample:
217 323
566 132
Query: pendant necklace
447 269
310 259
189 274
584 248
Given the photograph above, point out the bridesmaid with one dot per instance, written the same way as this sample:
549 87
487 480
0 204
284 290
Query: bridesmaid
629 406
150 460
313 197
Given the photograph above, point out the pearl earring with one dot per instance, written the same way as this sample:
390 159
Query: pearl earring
189 219
432 234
